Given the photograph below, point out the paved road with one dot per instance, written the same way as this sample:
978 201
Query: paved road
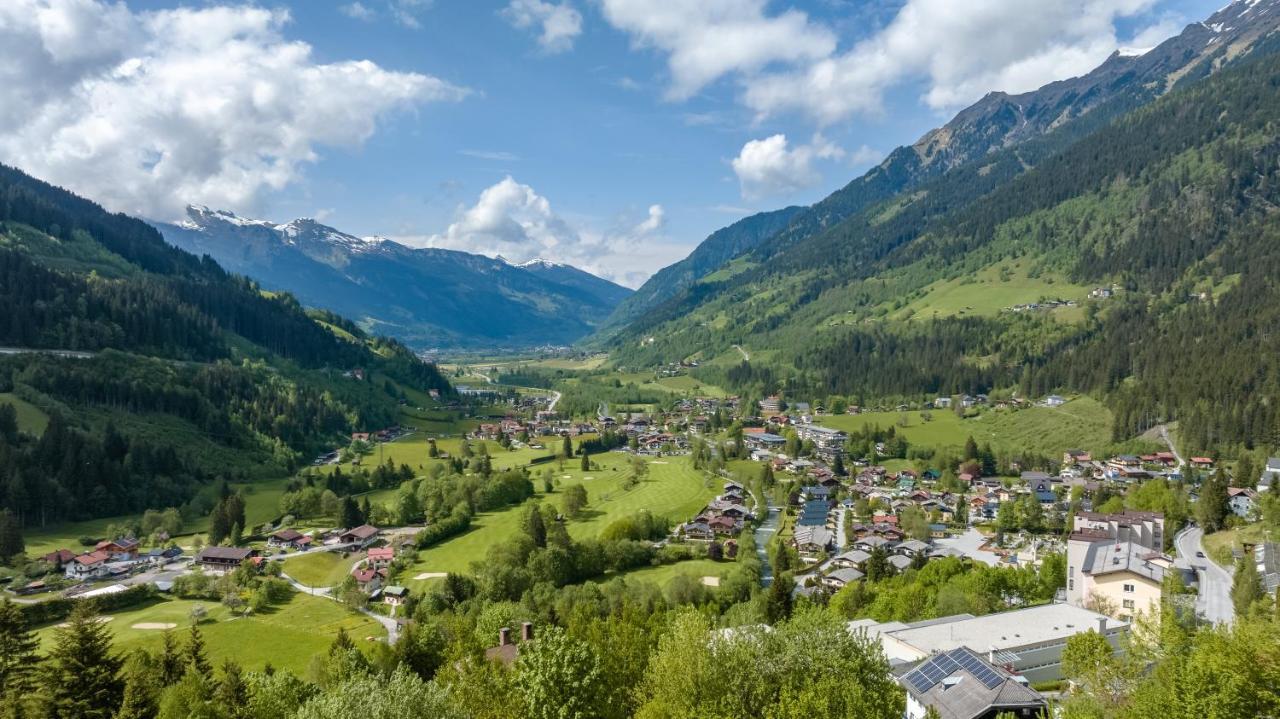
764 533
1214 600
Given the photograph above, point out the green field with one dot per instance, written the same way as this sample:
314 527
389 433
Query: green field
262 504
1082 423
673 489
286 636
987 292
31 419
663 574
320 569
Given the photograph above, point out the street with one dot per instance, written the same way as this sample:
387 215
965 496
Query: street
1214 601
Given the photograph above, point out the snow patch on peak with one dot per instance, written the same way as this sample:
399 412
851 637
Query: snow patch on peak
539 262
201 216
1133 51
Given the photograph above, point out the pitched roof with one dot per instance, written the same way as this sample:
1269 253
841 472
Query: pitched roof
364 531
960 684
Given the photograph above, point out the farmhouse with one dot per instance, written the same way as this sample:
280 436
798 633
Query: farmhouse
91 565
361 536
223 558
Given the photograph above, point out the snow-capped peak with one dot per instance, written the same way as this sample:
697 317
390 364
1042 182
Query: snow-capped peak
539 262
200 216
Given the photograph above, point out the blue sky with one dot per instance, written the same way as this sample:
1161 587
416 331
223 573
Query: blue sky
615 136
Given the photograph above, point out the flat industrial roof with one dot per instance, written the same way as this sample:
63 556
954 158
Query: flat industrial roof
1005 630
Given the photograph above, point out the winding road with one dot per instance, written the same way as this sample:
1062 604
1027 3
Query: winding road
1214 600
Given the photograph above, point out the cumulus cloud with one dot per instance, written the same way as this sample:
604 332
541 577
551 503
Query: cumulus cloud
770 167
358 11
510 219
146 112
559 23
961 50
709 39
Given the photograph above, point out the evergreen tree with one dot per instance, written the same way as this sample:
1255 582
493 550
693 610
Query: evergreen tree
17 653
534 526
586 462
777 603
349 515
142 687
232 693
566 448
1212 507
837 467
1246 586
11 543
81 679
196 658
172 663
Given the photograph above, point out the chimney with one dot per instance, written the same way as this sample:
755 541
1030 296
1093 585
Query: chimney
991 656
504 636
1102 625
526 632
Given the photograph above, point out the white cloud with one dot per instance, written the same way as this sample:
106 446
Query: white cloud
358 11
786 62
769 167
146 112
560 22
709 39
961 51
496 155
512 220
865 155
406 12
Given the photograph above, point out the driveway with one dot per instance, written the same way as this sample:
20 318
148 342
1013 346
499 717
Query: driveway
1214 600
969 543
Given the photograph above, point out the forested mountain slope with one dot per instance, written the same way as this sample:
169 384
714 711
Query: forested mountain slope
426 297
195 374
1173 202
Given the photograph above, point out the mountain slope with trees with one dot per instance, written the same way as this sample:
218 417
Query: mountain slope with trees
1171 201
160 372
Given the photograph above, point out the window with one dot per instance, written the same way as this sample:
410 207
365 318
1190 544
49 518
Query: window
1127 604
1071 571
1128 588
1071 584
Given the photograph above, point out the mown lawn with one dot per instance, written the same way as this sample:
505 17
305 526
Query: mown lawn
286 636
673 489
662 575
31 419
262 504
320 569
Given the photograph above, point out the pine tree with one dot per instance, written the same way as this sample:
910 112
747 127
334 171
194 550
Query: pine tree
142 687
81 679
535 527
232 694
586 463
11 543
172 663
350 515
778 601
566 447
195 653
17 652
1246 586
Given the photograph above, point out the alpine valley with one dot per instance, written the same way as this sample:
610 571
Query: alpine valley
428 298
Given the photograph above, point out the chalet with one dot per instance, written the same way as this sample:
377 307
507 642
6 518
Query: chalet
723 525
1205 463
361 536
771 405
1243 501
1124 461
286 538
223 558
1073 457
507 651
937 531
91 565
870 543
961 684
359 436
1044 496
163 556
380 557
852 559
120 550
369 580
395 595
817 491
59 558
698 530
912 547
1037 481
810 541
841 577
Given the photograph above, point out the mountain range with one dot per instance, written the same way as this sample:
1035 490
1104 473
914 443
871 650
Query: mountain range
426 297
1037 123
1107 234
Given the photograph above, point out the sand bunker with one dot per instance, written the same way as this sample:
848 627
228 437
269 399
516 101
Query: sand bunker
432 575
155 625
711 581
657 462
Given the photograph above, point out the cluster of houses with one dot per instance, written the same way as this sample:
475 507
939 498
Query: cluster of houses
1046 304
723 518
111 558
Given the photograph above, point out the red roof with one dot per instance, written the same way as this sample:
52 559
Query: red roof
93 558
386 553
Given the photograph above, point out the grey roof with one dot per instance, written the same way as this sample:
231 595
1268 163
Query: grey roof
874 541
960 684
813 535
900 562
844 576
914 545
855 556
1108 556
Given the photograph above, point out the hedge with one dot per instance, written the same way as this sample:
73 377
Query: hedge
53 610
